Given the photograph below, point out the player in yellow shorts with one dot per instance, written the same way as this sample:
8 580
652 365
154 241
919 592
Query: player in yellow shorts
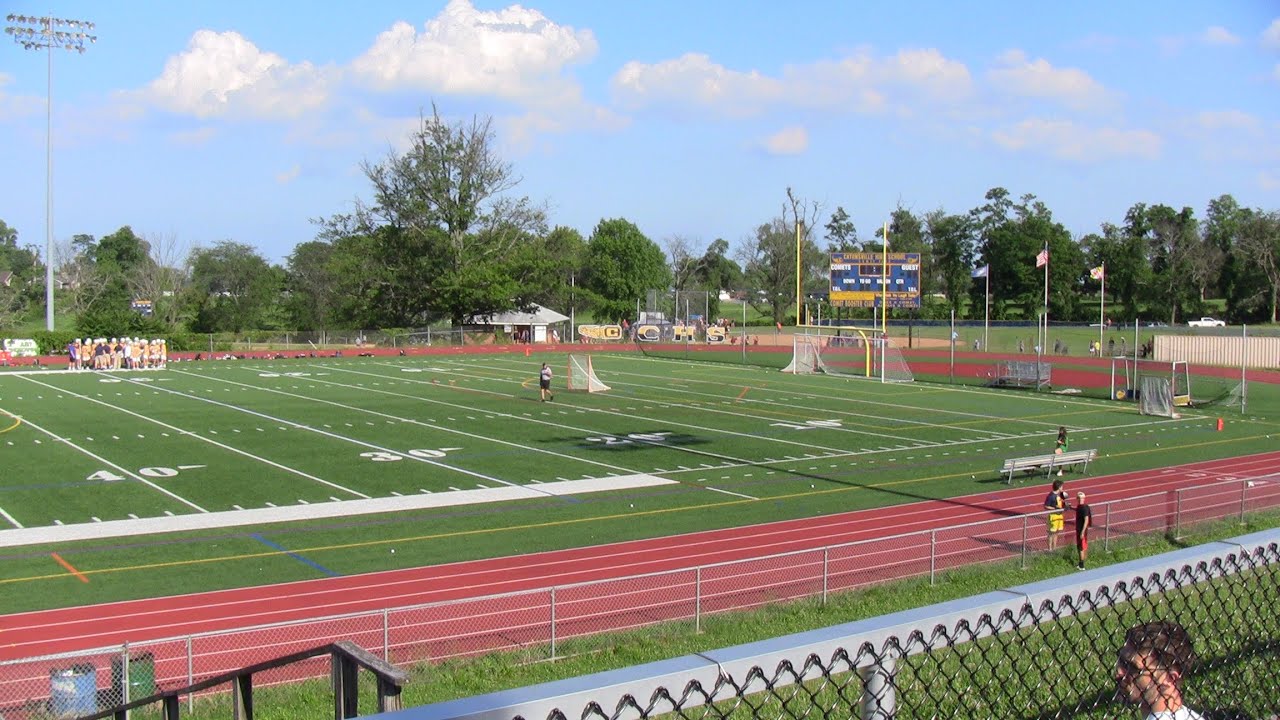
1056 503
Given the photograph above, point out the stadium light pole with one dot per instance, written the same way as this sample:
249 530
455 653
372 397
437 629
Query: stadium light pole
45 33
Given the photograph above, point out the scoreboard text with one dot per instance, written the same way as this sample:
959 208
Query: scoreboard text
856 279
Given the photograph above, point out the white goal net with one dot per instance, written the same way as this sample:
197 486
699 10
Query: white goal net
849 356
582 376
1156 396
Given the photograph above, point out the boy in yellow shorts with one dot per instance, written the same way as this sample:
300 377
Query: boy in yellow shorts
1056 503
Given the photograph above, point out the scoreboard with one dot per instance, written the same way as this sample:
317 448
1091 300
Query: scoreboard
856 279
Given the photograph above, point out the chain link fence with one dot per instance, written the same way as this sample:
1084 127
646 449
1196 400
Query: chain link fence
563 620
1066 648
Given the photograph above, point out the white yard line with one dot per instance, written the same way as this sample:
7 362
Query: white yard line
11 519
730 492
197 436
110 464
326 433
315 511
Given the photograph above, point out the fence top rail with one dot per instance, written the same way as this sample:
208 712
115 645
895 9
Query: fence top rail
608 689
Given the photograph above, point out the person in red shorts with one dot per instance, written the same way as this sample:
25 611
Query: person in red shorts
1084 520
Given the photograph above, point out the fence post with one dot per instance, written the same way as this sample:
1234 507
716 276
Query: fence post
933 554
1106 530
697 603
879 700
826 573
553 623
1177 514
124 678
191 677
1025 540
386 634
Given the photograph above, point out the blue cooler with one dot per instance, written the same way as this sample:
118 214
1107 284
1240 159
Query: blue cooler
73 691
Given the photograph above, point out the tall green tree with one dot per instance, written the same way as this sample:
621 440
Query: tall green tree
622 266
233 288
1254 294
449 235
952 240
841 236
311 286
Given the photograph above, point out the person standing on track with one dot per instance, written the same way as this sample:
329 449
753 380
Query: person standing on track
1084 521
1056 503
544 383
1060 446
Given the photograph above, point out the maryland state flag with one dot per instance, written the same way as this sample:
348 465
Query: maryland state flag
1098 273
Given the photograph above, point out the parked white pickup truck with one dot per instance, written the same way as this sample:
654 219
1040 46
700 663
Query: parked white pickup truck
1206 322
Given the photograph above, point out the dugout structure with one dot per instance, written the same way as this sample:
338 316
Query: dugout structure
1022 374
582 377
852 352
1128 383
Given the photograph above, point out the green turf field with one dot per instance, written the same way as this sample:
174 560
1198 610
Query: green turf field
425 454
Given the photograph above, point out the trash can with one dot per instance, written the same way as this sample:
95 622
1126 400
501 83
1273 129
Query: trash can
73 691
142 677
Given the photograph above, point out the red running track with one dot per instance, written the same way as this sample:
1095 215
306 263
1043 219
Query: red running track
615 586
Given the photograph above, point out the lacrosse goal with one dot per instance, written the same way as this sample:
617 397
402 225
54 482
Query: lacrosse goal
582 376
857 355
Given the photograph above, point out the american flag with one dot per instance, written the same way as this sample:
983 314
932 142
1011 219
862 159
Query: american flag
1098 272
1043 258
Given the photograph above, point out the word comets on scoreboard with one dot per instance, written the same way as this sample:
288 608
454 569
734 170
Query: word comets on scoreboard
855 279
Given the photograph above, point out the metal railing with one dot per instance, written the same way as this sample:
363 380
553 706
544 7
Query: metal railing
549 622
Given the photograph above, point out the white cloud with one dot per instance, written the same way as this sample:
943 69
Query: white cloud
198 136
1268 181
792 140
1228 120
1271 36
693 79
1069 87
1066 140
223 74
858 82
514 53
15 106
1218 35
288 176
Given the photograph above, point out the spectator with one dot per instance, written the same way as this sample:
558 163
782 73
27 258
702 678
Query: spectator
1084 521
1111 347
1056 504
1150 667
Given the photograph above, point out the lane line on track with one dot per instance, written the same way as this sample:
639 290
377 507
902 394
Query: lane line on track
69 567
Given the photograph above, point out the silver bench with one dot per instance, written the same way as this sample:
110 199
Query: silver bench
1048 462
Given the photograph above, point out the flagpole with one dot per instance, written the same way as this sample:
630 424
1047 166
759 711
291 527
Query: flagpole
986 318
1045 344
1102 307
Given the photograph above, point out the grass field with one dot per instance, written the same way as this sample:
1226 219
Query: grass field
438 445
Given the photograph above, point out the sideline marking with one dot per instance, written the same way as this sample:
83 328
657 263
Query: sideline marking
70 568
294 555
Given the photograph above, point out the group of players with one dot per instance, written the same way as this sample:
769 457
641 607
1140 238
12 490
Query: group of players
116 354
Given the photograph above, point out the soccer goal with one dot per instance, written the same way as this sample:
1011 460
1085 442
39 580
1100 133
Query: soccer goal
582 376
849 356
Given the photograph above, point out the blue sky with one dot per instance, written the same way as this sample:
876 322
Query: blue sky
202 121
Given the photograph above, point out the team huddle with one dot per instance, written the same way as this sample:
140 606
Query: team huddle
116 354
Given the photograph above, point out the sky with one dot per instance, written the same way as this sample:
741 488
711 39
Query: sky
203 121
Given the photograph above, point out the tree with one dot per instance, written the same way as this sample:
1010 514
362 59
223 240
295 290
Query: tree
842 236
20 291
683 262
951 239
233 288
311 286
622 266
1258 247
448 237
769 259
717 273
